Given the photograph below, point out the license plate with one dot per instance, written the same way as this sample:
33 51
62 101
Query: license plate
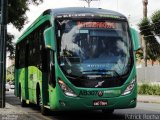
100 103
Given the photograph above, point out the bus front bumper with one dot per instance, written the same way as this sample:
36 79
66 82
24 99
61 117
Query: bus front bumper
86 103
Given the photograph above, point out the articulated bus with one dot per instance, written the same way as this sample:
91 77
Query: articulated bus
77 59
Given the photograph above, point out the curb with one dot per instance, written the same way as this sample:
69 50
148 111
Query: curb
148 99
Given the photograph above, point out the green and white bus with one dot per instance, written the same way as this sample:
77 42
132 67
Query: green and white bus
77 59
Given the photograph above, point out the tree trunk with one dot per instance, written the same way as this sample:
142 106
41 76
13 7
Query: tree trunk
152 62
145 3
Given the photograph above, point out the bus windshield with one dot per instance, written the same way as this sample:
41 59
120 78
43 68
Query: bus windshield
94 47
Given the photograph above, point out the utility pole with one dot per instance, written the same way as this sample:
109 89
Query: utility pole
145 3
89 2
3 32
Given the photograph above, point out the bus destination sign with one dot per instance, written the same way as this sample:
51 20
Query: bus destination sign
110 25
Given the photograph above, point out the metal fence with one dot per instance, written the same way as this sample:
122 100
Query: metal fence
149 74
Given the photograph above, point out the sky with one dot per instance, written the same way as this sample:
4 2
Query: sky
133 9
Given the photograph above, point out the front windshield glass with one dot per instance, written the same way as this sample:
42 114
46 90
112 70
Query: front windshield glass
94 48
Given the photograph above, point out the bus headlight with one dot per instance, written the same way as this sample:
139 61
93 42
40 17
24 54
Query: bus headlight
67 91
130 87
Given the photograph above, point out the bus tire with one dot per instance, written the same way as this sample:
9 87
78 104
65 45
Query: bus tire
23 102
108 111
43 110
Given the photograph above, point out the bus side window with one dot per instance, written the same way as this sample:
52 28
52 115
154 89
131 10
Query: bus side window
47 57
52 79
41 39
21 55
26 49
30 50
36 49
17 57
40 35
44 52
27 52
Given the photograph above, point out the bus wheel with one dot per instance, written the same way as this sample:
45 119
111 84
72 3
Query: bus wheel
108 111
44 111
23 102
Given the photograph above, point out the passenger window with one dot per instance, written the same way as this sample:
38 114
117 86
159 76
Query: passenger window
52 80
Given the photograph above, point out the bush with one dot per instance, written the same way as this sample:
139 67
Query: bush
149 89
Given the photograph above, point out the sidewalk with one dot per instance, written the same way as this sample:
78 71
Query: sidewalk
11 112
148 99
10 109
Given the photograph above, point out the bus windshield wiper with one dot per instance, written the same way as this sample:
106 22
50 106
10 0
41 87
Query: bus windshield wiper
106 71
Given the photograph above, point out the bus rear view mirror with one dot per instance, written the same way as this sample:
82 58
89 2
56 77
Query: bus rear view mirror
135 38
49 38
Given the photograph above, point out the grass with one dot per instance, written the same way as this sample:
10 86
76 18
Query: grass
146 89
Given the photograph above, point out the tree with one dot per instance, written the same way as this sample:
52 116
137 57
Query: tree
10 73
145 11
145 3
10 46
139 54
152 46
156 22
156 25
18 18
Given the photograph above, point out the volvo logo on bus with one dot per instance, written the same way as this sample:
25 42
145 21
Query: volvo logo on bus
99 84
100 93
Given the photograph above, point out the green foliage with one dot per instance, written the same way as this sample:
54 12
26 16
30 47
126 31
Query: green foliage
152 46
10 46
139 54
149 89
9 77
17 17
145 27
10 73
156 22
17 10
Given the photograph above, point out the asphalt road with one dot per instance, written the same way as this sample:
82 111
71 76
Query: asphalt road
148 111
